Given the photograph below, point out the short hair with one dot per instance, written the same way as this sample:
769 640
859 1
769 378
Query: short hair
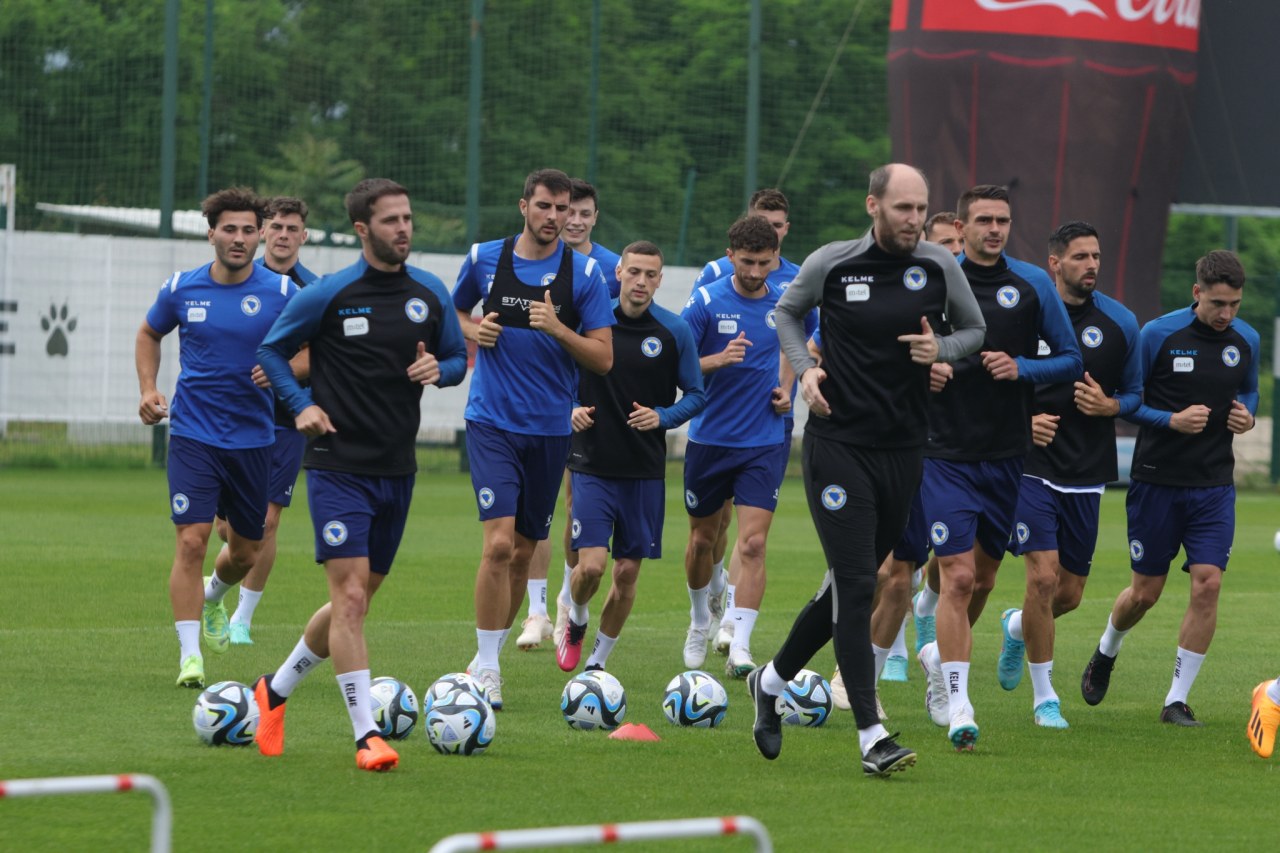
1075 229
231 199
878 184
365 194
579 190
752 234
769 198
643 247
982 192
946 217
1220 267
284 205
554 180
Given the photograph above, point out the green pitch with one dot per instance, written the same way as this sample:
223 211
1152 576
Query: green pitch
88 657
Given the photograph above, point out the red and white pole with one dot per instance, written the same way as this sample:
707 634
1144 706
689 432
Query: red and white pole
608 833
161 809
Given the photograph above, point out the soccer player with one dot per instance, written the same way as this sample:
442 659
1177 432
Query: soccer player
284 230
1060 495
619 453
1200 389
979 436
220 423
378 332
581 221
1264 718
546 313
881 297
941 229
737 447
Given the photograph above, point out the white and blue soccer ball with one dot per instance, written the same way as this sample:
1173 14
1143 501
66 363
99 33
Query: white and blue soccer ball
806 700
695 698
226 714
395 708
450 682
461 723
593 700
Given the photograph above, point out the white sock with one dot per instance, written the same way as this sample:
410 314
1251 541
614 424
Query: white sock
881 655
1015 626
917 578
537 597
870 736
566 596
355 692
700 612
579 614
248 603
502 638
1274 691
216 589
926 602
295 668
1042 684
1185 669
899 647
744 622
729 592
488 644
600 651
1109 645
930 651
955 674
188 638
719 578
770 682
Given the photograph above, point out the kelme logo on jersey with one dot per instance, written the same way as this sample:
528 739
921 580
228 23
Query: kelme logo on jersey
1091 336
651 347
1136 551
915 278
334 532
939 533
690 499
180 503
250 305
1022 532
577 528
834 497
1231 356
485 497
1008 296
771 320
416 310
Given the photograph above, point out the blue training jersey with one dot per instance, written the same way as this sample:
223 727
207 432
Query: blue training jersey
723 268
526 384
220 327
608 262
739 410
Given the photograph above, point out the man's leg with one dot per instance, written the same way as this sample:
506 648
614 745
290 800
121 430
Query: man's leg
494 586
751 545
617 607
563 600
584 582
186 596
697 567
894 599
253 584
1198 626
537 625
1130 606
723 583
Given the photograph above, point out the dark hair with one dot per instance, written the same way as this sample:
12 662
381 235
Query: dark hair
363 195
879 181
947 216
233 199
985 192
283 205
643 247
579 190
1075 229
768 199
554 180
1220 267
752 234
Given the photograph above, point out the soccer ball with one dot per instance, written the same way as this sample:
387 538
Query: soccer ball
395 708
226 713
593 700
694 698
806 701
446 684
460 723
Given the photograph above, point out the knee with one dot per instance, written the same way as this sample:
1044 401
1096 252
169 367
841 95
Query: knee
1067 599
591 569
1042 585
1144 598
192 543
625 576
499 549
752 547
959 581
702 538
1204 590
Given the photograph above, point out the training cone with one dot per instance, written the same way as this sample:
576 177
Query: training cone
634 731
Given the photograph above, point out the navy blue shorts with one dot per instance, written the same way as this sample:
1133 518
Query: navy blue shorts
913 547
1201 520
358 516
205 481
751 476
1051 520
286 461
629 511
970 503
516 476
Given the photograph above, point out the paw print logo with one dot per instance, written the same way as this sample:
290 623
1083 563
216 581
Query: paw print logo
57 323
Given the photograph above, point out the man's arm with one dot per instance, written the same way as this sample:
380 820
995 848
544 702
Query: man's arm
152 407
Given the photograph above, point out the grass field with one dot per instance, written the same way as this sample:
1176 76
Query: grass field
88 658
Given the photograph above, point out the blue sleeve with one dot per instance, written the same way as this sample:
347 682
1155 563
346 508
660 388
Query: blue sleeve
162 316
688 377
1248 393
1149 339
466 291
816 337
1129 394
1065 365
297 324
811 324
695 316
591 298
453 347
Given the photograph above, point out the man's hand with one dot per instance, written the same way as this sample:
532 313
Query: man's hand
1000 365
809 382
487 330
581 418
940 374
153 408
542 316
924 346
1239 419
642 418
780 400
1043 429
425 370
312 421
259 377
1093 401
735 352
1192 419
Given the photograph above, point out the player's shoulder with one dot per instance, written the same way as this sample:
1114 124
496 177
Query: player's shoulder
714 270
606 256
488 250
839 251
1167 324
189 278
1116 310
1248 332
934 252
426 278
265 277
669 318
1029 272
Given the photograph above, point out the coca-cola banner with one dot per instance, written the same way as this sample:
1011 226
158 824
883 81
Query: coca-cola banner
1080 107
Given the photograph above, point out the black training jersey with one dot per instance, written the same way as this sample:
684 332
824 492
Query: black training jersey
364 327
977 418
869 297
1083 451
653 356
1187 363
